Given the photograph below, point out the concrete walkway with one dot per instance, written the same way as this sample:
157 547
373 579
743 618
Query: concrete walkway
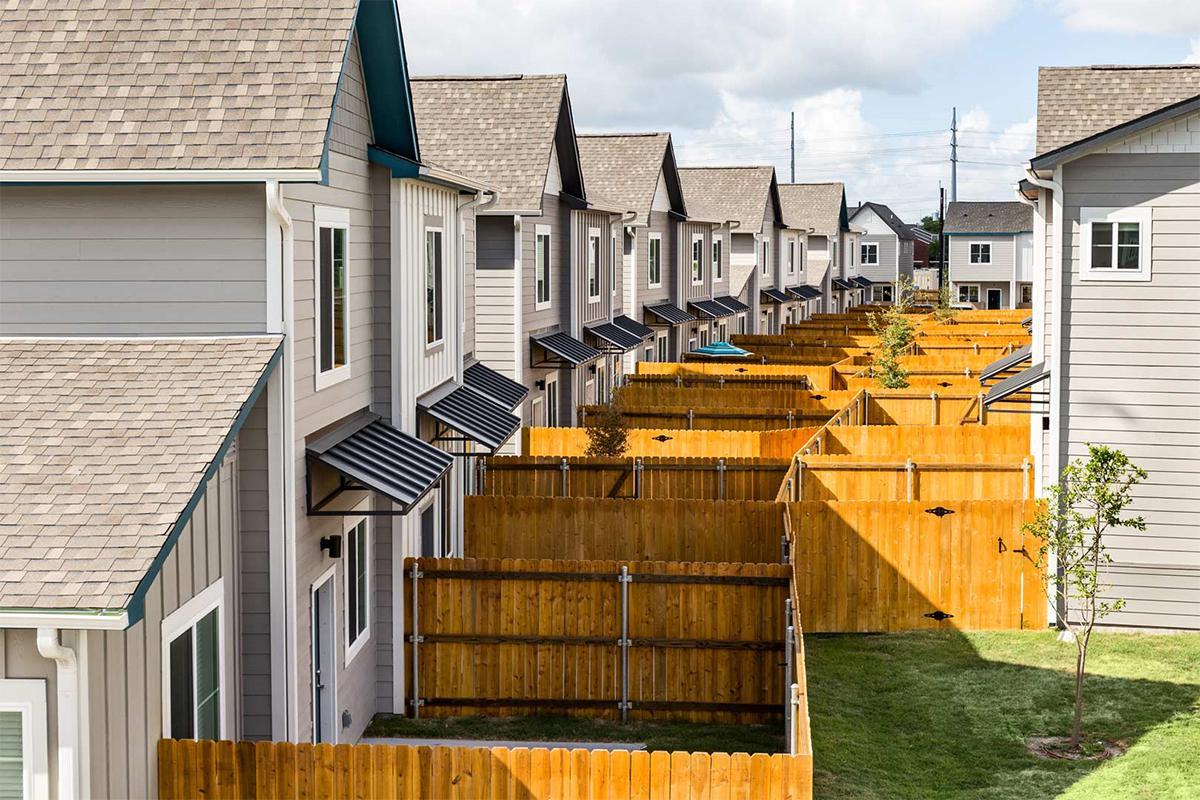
502 743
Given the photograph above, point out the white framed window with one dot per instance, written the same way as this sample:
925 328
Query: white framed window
435 290
882 293
542 244
833 247
1027 293
601 384
691 343
331 294
981 252
593 264
356 558
850 252
870 253
654 266
1114 244
697 259
649 354
741 323
537 411
551 402
612 266
791 261
704 337
194 669
968 293
24 740
723 332
766 258
663 355
717 244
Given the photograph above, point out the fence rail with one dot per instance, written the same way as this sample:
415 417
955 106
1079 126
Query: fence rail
711 417
669 442
872 478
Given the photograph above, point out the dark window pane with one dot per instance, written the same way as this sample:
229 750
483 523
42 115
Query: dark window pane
429 532
326 278
360 576
340 298
180 690
208 677
1127 256
1128 233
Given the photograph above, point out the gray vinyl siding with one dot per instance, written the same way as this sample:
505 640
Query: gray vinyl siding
351 131
468 258
1131 375
254 581
906 258
885 270
1003 258
592 310
494 242
721 287
145 259
554 215
703 290
660 224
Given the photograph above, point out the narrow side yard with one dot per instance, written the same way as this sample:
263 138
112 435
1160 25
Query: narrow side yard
935 716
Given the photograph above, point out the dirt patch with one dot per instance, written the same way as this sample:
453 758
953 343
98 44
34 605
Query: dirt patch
1056 747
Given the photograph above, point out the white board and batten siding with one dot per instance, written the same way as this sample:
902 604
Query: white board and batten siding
1131 374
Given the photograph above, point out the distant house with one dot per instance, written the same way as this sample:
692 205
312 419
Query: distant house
1115 330
819 210
885 248
990 253
746 201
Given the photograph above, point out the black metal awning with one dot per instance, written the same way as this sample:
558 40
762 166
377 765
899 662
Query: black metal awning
612 338
1027 323
733 304
561 350
843 284
805 292
501 388
862 282
708 309
776 296
1005 365
669 314
368 455
633 326
1017 388
472 414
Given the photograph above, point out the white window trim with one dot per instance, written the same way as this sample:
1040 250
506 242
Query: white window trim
593 235
551 408
718 243
544 230
329 217
791 257
698 262
184 618
537 416
355 647
765 253
874 262
649 250
1141 215
987 263
425 231
1021 292
961 286
28 698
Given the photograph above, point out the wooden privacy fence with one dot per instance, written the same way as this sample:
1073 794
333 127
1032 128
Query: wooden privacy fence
672 443
871 478
642 394
819 376
886 566
947 442
688 478
704 381
589 528
189 769
715 417
907 407
611 639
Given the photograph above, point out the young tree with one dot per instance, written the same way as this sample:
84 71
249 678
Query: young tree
895 332
607 433
1090 498
945 311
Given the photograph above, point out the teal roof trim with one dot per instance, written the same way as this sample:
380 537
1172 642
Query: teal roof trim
385 71
400 166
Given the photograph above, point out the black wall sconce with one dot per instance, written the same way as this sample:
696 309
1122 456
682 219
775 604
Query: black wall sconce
540 384
591 369
333 545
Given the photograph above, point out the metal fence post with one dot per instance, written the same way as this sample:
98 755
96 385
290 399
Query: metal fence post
637 477
691 418
794 706
910 469
416 640
791 419
981 395
788 648
624 578
1025 465
565 469
933 408
720 479
798 486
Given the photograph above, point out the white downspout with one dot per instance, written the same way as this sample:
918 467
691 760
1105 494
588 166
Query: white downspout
281 665
70 784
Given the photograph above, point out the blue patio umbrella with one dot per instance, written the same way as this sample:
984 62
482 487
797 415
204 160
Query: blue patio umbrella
720 349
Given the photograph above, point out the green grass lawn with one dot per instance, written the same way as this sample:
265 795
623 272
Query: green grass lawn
933 716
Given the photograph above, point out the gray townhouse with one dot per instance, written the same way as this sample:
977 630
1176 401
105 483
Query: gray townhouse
885 249
745 200
1116 220
237 384
546 286
820 211
990 247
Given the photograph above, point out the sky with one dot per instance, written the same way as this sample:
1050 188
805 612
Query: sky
872 82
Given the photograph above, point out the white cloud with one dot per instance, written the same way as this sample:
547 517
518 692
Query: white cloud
1193 56
1164 17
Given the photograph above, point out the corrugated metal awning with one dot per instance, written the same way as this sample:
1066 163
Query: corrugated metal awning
633 326
862 282
670 314
776 296
562 350
1005 364
613 337
733 304
805 292
842 283
709 309
371 455
500 388
473 414
1014 384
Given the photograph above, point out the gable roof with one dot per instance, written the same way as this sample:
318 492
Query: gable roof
820 206
1078 103
500 129
988 217
624 168
109 443
889 218
177 85
723 194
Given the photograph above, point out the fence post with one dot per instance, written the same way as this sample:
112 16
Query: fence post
794 709
720 381
624 578
798 486
788 647
565 469
933 409
866 408
416 640
981 408
637 477
582 417
910 469
720 479
691 418
1025 465
791 419
480 486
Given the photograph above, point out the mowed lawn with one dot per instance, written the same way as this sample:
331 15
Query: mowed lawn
933 716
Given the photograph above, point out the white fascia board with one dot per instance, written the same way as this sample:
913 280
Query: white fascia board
66 619
160 175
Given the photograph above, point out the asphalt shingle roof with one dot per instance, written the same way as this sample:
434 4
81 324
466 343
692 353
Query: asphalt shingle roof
102 444
169 84
813 205
720 194
499 129
623 168
988 217
1077 102
889 218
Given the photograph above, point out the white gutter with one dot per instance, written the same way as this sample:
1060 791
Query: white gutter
160 175
68 730
284 607
68 620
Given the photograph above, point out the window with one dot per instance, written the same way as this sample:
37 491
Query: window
601 384
429 531
1114 244
968 293
850 253
704 337
791 257
882 293
593 264
649 354
537 411
697 259
723 332
716 258
193 663
662 348
1026 293
551 402
542 266
612 265
24 761
981 253
357 558
332 282
741 322
870 253
833 252
654 271
433 286
766 258
691 343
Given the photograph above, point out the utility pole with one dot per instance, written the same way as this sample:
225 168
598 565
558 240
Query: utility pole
941 240
954 155
793 147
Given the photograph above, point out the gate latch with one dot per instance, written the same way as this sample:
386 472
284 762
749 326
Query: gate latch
939 615
939 511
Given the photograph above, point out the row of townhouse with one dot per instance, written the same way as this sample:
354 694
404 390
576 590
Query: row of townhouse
258 315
